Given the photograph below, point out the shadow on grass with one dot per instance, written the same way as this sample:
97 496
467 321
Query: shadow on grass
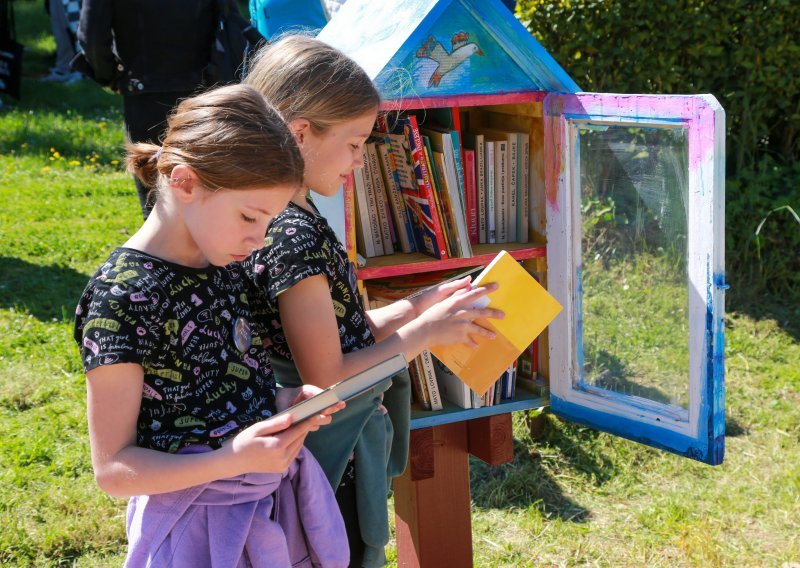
47 292
531 479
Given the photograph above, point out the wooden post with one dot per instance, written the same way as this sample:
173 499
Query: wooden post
491 439
432 498
433 516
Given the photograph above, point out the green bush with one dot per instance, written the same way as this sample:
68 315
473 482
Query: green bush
747 54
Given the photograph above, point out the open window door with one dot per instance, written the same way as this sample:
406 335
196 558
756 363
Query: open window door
635 253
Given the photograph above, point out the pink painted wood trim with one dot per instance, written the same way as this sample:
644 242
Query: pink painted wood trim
432 265
462 101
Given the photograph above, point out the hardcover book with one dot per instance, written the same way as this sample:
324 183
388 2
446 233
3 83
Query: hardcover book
347 389
528 308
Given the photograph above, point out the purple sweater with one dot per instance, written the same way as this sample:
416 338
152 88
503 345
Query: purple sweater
257 519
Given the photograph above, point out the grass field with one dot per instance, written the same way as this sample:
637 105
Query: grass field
572 497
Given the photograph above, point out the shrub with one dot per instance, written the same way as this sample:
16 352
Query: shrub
747 54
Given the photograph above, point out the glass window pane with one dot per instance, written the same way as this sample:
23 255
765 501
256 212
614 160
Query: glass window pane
634 190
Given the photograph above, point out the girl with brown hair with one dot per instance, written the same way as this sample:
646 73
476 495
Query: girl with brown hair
305 297
179 390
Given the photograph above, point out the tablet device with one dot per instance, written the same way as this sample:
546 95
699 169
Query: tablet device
347 388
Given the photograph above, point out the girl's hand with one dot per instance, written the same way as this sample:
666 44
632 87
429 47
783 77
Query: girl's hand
438 293
452 320
270 446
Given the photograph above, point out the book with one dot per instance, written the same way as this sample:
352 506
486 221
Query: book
422 202
372 207
476 143
502 175
381 204
397 205
418 384
430 379
523 202
443 143
528 308
491 225
451 387
347 389
471 196
365 242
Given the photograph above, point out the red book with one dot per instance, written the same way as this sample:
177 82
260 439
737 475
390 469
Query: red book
471 196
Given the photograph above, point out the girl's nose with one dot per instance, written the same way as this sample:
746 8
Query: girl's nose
358 159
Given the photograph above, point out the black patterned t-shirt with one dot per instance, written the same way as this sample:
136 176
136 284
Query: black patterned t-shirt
206 375
300 244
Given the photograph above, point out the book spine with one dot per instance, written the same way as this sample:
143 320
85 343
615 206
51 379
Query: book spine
457 208
364 240
501 190
523 213
380 199
425 187
447 231
480 178
455 140
491 217
372 208
418 384
513 187
396 202
471 194
430 380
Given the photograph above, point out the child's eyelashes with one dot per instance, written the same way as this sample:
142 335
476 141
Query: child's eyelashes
248 219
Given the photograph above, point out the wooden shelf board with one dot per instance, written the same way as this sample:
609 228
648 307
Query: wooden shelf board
451 413
414 263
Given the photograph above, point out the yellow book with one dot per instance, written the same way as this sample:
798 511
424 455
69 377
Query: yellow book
528 307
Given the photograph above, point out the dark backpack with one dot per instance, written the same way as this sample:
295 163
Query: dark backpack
235 39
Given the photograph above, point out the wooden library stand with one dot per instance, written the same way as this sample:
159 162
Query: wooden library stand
432 498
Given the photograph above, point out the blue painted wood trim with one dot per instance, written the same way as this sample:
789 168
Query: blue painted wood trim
701 450
450 413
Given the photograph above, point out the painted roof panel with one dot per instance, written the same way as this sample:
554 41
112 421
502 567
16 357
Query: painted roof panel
432 48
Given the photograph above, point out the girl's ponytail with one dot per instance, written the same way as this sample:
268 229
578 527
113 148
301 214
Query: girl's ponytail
142 162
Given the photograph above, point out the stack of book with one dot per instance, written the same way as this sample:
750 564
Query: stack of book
423 189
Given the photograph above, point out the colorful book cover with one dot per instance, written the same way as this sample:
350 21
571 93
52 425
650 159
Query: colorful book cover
436 182
528 309
430 238
397 204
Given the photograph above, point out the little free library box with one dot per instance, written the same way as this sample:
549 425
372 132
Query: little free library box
614 202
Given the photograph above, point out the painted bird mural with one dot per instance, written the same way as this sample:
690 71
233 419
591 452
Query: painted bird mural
461 50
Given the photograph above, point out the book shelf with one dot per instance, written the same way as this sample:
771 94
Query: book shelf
432 498
414 263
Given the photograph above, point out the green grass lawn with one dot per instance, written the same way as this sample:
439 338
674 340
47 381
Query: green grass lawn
571 497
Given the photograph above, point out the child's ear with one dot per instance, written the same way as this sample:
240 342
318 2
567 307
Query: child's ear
300 128
184 183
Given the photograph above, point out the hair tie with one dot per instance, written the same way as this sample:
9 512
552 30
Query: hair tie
159 152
